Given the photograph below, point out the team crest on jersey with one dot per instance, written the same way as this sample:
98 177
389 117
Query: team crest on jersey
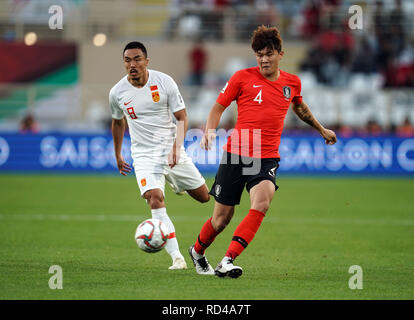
156 96
143 182
286 92
155 93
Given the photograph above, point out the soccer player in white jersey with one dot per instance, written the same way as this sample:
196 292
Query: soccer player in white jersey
148 99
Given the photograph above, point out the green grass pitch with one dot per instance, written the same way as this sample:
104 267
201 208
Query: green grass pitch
314 231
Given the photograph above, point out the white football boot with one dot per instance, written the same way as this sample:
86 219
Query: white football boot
178 264
226 269
202 266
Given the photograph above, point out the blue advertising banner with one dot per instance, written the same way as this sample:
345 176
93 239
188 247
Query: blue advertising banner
299 154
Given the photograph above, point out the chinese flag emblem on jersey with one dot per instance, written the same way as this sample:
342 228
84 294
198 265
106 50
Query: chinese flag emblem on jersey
155 93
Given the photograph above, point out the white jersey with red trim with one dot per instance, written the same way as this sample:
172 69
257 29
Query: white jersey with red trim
149 113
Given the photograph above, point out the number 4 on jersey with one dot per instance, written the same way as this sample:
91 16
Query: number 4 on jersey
258 97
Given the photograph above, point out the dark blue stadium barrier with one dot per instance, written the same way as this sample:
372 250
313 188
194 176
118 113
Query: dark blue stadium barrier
300 154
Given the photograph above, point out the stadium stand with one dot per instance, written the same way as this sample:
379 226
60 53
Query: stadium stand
343 71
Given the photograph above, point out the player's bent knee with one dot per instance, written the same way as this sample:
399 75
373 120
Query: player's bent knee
156 204
155 199
205 198
200 194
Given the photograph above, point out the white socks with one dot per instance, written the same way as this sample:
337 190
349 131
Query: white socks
172 244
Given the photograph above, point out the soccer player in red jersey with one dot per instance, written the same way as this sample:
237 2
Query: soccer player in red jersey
251 157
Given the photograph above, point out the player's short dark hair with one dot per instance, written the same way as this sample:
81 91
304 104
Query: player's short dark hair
135 45
266 37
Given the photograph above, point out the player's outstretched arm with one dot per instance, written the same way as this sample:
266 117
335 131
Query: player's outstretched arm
118 129
303 112
212 122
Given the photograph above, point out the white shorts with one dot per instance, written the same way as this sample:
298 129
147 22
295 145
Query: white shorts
184 176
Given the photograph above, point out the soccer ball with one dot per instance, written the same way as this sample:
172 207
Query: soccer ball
151 235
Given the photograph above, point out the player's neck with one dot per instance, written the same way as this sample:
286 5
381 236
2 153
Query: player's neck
274 76
139 82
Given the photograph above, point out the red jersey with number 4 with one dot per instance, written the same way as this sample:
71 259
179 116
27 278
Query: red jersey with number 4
262 107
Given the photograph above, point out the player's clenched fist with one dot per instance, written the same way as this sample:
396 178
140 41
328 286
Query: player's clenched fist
329 136
207 140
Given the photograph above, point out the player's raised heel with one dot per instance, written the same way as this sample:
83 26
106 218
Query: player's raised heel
202 266
226 269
